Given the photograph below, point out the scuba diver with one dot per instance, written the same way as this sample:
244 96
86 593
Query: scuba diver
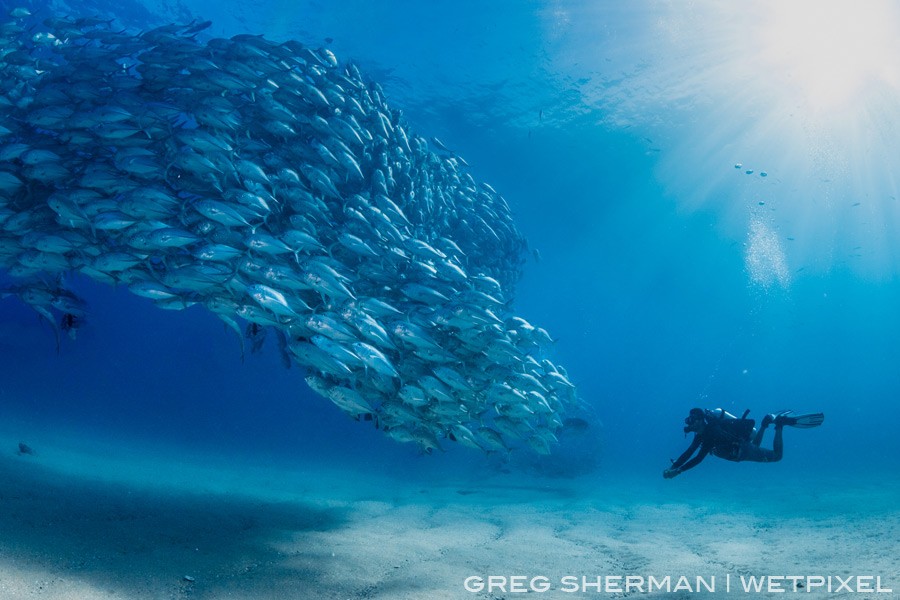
728 437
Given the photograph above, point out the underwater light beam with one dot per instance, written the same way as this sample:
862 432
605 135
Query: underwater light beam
806 92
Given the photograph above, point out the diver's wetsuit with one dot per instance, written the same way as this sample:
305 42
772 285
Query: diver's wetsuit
715 438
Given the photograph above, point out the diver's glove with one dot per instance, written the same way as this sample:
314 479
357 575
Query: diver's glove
670 473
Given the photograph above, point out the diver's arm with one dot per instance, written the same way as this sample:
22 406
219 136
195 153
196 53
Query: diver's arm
694 461
679 466
687 453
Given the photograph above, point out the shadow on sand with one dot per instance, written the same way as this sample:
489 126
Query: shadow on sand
138 543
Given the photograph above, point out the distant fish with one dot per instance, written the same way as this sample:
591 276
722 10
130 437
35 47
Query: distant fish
576 424
440 145
193 29
25 449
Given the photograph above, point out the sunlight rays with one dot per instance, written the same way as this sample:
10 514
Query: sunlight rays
807 92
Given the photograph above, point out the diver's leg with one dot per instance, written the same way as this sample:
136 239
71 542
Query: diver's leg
750 451
756 440
778 444
767 420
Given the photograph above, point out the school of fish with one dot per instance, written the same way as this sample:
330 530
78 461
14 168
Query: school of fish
274 186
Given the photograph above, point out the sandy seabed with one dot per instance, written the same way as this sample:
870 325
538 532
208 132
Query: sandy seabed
91 523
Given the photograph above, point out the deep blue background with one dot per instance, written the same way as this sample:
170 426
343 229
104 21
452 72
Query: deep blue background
651 303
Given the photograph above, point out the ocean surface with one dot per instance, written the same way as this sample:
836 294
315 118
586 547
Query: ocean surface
711 211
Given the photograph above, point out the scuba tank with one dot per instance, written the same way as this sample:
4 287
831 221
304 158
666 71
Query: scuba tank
740 430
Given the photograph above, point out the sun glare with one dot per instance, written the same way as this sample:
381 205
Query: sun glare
794 109
779 117
830 51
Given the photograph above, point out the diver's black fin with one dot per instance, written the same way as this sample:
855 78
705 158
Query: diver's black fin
801 421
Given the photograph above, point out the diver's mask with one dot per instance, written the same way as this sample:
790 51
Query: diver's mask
693 420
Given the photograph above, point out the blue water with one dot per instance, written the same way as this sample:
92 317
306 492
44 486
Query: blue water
625 186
